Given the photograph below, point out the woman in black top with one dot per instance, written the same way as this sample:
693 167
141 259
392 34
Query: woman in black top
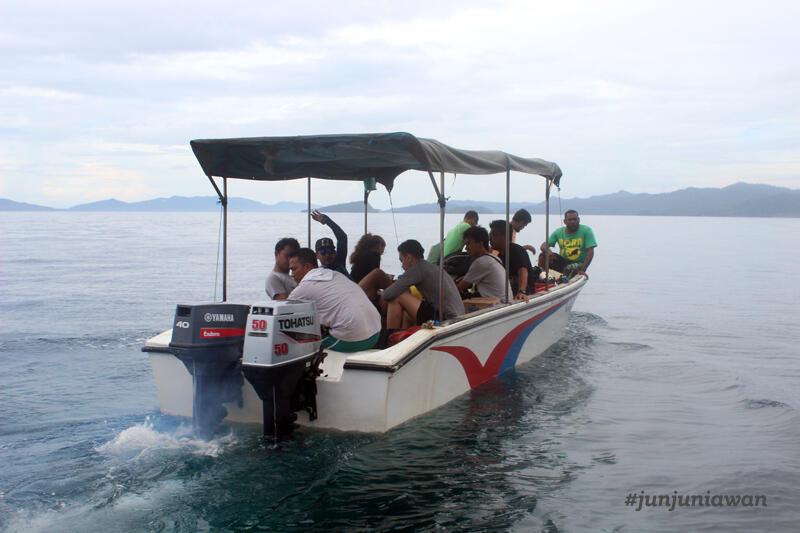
367 256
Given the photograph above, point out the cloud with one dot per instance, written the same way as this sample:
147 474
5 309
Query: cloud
640 96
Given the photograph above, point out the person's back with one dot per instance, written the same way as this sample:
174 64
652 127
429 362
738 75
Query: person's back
341 304
352 321
454 241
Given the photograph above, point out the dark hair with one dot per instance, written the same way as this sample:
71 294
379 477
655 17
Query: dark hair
522 216
570 211
306 256
498 226
478 234
471 214
368 242
286 241
412 247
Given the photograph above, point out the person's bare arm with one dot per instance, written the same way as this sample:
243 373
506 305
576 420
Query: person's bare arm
522 277
587 261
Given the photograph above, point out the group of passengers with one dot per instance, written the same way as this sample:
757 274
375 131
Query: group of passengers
350 304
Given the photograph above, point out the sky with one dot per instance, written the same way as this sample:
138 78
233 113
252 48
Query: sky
100 99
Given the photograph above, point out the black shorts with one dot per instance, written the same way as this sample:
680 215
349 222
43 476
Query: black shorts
425 312
560 263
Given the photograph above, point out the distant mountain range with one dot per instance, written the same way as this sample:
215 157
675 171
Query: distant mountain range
738 200
171 204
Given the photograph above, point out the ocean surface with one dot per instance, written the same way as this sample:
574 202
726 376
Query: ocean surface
678 375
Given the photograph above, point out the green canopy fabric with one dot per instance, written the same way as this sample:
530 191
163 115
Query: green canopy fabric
382 156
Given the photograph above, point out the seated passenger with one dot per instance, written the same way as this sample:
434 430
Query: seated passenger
330 257
367 256
454 241
518 223
404 309
520 273
279 284
352 322
576 244
486 271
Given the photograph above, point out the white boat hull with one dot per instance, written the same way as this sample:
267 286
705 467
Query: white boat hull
375 390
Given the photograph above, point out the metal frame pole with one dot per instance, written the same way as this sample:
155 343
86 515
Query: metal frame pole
508 229
366 198
442 202
308 212
547 235
225 240
441 250
223 199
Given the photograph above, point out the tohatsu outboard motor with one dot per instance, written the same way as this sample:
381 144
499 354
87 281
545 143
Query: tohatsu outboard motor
208 339
281 360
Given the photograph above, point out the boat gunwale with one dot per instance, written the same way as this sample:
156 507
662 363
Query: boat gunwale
445 330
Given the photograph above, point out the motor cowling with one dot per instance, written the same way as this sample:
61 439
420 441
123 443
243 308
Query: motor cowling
208 339
281 360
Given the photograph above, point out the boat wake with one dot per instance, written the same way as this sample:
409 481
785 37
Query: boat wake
144 439
139 471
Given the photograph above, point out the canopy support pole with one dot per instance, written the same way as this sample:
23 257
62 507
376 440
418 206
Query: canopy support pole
308 212
223 199
366 198
547 234
508 230
442 202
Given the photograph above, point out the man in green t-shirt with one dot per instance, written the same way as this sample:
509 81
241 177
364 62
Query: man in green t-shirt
454 241
576 244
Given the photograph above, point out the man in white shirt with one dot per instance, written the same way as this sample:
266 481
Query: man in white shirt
279 284
343 308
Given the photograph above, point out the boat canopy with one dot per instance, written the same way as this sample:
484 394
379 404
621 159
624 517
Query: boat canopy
382 156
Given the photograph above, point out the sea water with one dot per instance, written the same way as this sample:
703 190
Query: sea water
677 376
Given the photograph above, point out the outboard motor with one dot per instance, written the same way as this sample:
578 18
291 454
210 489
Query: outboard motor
281 360
208 339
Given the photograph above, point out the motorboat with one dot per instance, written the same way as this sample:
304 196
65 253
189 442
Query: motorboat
262 362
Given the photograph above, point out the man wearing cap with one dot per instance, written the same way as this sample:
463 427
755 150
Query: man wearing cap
353 324
330 257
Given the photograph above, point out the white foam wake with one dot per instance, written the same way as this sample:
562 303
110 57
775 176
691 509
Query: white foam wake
143 438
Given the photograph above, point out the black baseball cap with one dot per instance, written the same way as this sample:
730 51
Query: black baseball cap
323 243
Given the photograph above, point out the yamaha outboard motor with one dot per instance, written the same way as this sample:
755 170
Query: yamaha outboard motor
281 360
208 339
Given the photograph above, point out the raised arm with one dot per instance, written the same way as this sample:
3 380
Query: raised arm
341 236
